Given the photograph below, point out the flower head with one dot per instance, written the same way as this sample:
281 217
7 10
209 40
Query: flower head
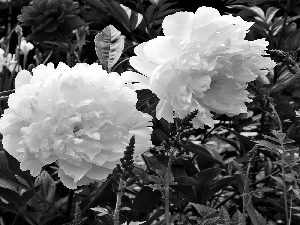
50 19
25 46
203 63
81 117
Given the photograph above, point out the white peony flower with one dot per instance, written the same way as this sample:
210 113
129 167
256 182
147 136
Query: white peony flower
81 117
202 62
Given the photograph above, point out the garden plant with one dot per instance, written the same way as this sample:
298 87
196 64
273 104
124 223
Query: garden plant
149 112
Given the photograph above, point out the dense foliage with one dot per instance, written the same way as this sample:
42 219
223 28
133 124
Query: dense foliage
228 155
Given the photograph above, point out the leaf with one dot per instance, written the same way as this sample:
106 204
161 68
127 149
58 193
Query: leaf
237 218
244 189
262 220
10 196
101 211
7 174
134 223
134 18
224 215
259 12
255 10
203 153
109 45
270 14
205 180
47 191
204 210
14 165
145 200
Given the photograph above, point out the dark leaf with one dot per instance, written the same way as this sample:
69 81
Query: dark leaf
200 151
10 196
14 165
144 202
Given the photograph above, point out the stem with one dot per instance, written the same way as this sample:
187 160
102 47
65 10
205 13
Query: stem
69 204
290 216
167 188
285 196
253 184
24 61
118 203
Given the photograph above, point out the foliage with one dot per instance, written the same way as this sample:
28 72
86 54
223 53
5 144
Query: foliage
244 170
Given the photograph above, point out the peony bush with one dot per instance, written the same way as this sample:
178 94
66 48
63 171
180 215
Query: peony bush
82 117
203 62
148 80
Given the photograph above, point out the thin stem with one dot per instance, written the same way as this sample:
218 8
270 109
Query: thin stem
253 184
69 204
285 196
24 61
290 216
167 188
118 203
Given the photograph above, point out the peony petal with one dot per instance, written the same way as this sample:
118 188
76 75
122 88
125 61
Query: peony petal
11 143
164 110
22 78
30 162
98 173
66 180
162 49
77 172
178 24
205 15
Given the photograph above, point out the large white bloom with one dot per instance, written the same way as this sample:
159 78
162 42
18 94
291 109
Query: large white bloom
81 117
202 62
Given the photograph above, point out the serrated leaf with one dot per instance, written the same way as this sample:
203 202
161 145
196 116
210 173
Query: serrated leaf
224 215
279 135
109 44
279 181
262 220
237 218
204 210
277 149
